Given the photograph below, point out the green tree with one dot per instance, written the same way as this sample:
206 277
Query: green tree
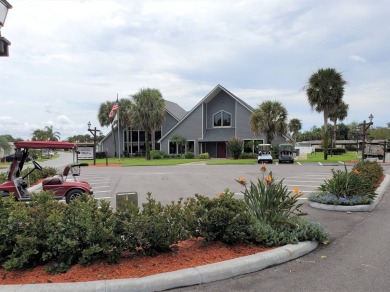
294 126
46 134
269 118
235 146
148 113
325 90
80 138
180 141
51 135
4 144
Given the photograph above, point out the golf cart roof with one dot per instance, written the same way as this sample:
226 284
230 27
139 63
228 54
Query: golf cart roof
44 145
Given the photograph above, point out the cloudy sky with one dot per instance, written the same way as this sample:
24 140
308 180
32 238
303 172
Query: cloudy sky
69 56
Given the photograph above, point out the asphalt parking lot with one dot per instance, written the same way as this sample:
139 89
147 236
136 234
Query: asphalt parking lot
169 183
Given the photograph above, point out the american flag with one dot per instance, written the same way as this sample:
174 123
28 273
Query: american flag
115 107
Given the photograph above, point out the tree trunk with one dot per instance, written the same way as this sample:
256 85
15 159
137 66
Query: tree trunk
147 148
326 136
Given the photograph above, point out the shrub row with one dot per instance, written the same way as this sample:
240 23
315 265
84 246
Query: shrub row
58 235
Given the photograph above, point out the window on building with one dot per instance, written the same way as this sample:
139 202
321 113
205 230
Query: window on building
191 146
172 147
222 119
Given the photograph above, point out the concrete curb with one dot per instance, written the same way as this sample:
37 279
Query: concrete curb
358 208
187 277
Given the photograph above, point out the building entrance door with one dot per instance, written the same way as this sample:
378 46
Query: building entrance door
221 150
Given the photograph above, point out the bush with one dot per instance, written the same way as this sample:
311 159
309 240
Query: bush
247 155
100 155
235 146
155 228
224 218
371 171
189 155
204 156
346 184
156 154
330 199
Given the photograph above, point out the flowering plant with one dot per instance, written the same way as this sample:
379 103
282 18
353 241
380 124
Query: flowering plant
271 202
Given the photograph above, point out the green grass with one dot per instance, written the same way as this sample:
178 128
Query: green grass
141 161
319 157
231 161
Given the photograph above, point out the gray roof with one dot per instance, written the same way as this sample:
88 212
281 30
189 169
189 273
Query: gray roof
175 110
217 135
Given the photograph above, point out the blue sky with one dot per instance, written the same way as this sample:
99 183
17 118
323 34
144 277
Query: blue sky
67 57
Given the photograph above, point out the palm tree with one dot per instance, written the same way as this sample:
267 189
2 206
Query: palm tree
269 118
325 91
294 126
148 113
51 135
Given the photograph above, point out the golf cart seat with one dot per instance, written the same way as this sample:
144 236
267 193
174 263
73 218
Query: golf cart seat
57 179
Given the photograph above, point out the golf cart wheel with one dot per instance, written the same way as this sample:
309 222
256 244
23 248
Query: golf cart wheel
73 194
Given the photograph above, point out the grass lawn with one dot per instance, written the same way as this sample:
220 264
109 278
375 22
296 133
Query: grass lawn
319 157
141 161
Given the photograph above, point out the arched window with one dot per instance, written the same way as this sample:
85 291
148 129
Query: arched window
222 119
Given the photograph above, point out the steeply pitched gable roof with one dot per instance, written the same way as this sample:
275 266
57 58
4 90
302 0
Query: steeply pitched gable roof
213 93
174 110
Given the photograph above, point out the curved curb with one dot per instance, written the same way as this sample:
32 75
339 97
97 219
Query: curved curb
187 277
358 208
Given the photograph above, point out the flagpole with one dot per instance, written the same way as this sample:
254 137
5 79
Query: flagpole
119 139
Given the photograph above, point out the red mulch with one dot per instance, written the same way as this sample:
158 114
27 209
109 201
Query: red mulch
189 253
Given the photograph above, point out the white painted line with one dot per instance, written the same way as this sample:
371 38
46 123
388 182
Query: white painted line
319 163
100 192
302 198
299 163
104 198
100 187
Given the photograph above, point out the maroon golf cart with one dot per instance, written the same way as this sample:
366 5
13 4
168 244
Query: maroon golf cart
60 185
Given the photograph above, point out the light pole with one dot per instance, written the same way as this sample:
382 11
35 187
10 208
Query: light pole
364 127
93 132
4 43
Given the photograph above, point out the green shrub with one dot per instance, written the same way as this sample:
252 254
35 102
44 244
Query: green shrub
371 171
330 199
271 202
235 146
3 177
204 156
346 184
189 155
155 228
246 155
156 154
224 218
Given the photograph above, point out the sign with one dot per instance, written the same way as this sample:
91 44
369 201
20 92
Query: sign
85 152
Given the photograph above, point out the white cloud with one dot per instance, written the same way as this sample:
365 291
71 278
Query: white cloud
357 58
79 54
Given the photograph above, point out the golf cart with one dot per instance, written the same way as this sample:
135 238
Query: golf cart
264 153
58 184
286 153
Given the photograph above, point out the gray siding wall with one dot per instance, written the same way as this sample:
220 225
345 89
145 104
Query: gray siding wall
169 123
190 128
221 102
108 142
243 129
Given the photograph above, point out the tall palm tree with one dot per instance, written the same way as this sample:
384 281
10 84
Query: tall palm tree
294 126
325 90
148 113
269 118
